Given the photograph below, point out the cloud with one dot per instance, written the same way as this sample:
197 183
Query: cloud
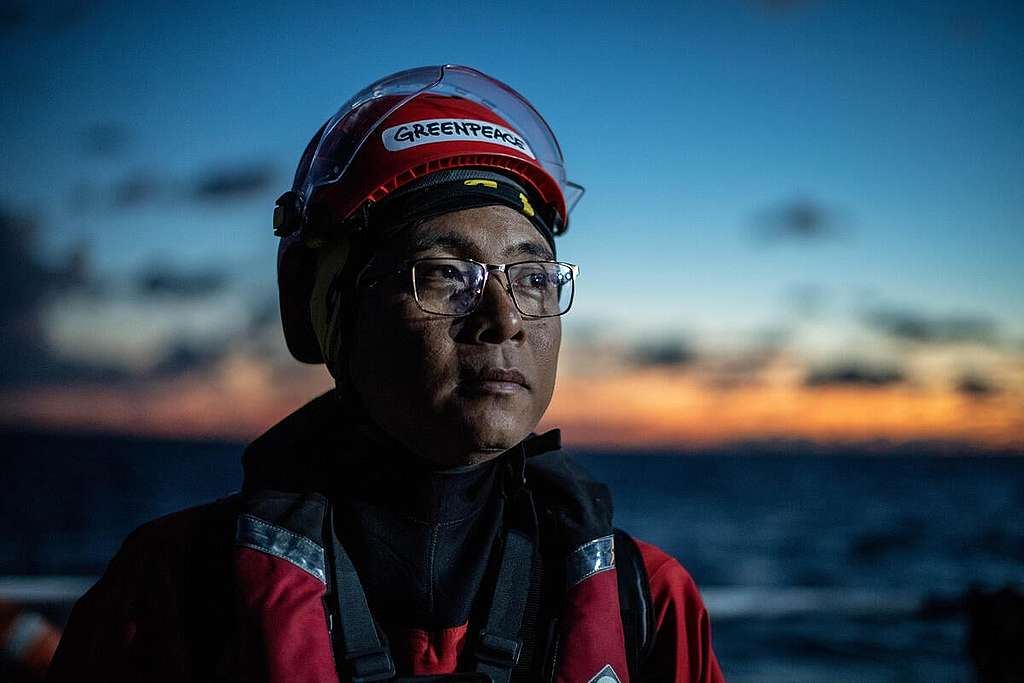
743 368
264 314
854 373
806 300
232 183
27 285
975 385
184 356
106 140
907 325
135 190
141 187
15 16
61 324
25 279
82 198
162 280
674 352
31 285
797 220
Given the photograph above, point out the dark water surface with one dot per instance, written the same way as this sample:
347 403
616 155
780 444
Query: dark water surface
816 565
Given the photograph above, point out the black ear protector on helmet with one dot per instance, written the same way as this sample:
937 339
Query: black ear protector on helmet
287 214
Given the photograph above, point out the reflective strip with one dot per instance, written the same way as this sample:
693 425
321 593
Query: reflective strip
605 675
591 558
22 634
257 534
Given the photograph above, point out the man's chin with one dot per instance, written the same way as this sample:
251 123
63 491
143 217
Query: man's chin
496 435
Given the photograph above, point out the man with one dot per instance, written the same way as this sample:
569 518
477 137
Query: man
408 523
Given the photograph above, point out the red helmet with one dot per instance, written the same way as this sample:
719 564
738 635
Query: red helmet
400 128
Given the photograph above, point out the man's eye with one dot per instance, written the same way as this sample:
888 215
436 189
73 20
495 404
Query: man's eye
442 274
537 279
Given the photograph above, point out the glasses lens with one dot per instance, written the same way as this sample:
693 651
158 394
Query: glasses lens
447 286
541 288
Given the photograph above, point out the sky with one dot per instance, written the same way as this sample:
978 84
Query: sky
803 219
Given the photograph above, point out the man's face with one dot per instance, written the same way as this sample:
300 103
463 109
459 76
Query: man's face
423 378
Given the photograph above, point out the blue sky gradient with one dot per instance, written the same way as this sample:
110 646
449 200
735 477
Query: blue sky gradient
697 128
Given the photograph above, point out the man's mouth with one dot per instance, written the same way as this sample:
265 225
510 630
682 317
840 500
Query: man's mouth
503 381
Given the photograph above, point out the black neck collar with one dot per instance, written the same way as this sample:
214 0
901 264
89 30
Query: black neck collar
328 438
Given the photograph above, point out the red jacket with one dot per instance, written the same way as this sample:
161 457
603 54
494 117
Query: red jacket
185 600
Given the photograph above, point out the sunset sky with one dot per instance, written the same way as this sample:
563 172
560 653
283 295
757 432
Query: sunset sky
803 220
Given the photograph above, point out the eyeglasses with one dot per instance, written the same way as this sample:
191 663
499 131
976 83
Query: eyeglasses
455 286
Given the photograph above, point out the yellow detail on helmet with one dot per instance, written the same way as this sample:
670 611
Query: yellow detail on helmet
480 181
527 209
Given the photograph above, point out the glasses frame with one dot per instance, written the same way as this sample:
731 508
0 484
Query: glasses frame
409 266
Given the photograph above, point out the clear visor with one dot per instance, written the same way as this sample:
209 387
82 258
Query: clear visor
366 110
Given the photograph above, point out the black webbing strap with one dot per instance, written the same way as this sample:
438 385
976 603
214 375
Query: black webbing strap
359 654
498 646
526 669
634 603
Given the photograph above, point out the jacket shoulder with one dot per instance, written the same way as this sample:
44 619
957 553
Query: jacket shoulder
183 528
682 648
158 554
161 592
665 570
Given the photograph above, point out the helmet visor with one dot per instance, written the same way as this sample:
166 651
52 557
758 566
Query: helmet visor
357 120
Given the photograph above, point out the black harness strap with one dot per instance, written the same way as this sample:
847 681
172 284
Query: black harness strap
360 655
498 647
528 666
638 622
504 647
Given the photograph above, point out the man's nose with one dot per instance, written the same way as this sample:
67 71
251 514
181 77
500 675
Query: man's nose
496 319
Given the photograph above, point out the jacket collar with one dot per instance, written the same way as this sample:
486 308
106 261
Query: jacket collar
300 452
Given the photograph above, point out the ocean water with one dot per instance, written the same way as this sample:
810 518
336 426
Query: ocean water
813 568
861 544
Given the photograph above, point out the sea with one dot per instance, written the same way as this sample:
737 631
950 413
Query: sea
814 567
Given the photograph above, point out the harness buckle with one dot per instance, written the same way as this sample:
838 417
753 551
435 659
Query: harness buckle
375 665
494 649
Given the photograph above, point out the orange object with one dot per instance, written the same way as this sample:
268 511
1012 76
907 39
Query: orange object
27 638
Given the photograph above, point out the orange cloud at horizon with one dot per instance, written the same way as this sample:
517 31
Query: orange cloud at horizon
628 408
659 408
239 400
